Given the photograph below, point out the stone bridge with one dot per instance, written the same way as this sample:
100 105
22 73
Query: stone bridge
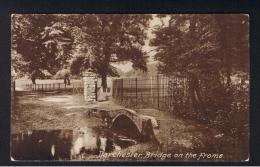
128 120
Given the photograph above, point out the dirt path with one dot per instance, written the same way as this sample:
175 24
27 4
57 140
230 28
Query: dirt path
49 111
176 136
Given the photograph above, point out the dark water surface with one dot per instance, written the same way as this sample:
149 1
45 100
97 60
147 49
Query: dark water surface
65 144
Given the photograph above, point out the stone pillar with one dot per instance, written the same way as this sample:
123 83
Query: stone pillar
89 79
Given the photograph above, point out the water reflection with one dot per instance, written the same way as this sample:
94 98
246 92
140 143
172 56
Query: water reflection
65 144
42 145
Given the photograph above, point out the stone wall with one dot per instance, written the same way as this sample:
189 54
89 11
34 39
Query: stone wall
90 80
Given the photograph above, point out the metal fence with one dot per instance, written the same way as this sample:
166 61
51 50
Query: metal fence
158 91
77 87
47 87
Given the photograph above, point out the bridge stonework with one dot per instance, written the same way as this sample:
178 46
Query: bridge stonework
145 124
130 114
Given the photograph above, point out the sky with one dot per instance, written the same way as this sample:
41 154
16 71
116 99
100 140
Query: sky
127 66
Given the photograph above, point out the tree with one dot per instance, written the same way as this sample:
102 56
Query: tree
40 44
186 43
109 38
202 43
233 42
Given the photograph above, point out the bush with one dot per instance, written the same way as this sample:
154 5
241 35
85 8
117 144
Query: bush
226 108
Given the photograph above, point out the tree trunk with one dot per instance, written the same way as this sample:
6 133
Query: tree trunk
33 80
225 48
104 82
105 68
228 58
228 75
196 96
65 80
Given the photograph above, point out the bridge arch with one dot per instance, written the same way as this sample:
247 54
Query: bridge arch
123 124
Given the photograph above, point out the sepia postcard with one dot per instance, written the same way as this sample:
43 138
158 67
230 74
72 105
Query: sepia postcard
130 87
